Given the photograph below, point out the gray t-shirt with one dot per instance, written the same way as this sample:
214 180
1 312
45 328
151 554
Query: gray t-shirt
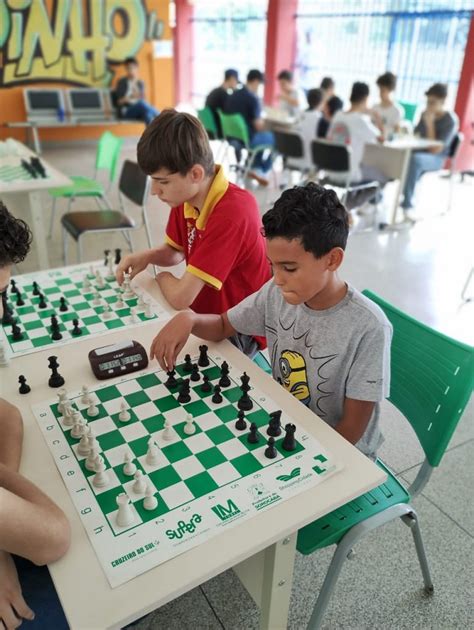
445 129
323 357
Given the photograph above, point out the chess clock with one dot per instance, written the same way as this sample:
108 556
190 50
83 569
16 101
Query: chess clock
118 359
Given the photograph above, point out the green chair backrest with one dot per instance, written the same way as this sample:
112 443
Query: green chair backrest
108 151
410 110
233 126
208 121
432 377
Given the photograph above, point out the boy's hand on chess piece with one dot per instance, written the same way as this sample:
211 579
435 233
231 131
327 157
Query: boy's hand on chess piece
13 608
135 263
169 342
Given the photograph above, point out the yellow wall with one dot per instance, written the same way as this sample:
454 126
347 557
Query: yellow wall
81 44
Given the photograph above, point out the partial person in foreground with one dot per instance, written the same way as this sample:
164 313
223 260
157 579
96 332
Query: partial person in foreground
436 123
214 226
130 95
329 345
34 532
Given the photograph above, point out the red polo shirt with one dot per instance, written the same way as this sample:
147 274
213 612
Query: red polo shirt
222 244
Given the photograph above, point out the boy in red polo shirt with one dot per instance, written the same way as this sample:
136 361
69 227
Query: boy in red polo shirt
213 225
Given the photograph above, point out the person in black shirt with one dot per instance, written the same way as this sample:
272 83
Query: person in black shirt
330 107
217 98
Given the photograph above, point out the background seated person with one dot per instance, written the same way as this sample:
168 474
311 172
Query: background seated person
129 95
217 98
436 123
246 103
328 87
387 114
328 111
290 100
307 127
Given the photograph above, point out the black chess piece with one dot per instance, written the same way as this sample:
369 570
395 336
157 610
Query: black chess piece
63 305
24 387
289 442
188 365
42 301
106 254
224 380
29 169
17 333
171 382
216 397
118 256
37 165
253 436
19 299
195 376
55 330
184 395
76 331
55 380
245 402
36 290
7 318
240 425
245 380
270 451
274 425
14 288
203 358
206 386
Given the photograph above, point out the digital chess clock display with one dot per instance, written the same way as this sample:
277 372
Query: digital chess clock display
117 359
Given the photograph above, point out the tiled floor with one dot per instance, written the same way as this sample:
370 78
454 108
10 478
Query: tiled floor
422 270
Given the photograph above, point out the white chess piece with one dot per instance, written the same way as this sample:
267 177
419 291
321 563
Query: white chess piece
149 310
141 302
86 397
83 446
99 280
168 432
101 477
62 395
92 410
153 453
120 303
70 416
133 316
92 458
107 313
189 427
124 415
127 289
91 271
150 502
125 515
86 283
110 265
97 301
129 467
4 354
77 429
139 486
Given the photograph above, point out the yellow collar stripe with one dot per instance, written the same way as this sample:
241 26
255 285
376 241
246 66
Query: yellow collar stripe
216 192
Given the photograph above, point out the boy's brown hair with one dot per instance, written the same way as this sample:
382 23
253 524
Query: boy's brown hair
175 141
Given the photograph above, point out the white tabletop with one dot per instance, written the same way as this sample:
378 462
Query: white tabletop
87 598
412 142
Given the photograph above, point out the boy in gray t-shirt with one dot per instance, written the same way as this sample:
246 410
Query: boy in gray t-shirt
329 345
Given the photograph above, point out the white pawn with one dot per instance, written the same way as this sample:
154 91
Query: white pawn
86 283
101 477
124 415
133 316
110 264
83 447
86 397
91 271
139 486
141 302
189 427
92 458
125 515
70 416
149 310
129 467
4 354
120 303
77 429
107 313
150 502
168 432
92 410
153 453
99 280
97 301
62 395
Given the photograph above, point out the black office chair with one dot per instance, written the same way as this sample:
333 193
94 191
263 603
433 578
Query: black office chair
290 147
329 156
133 186
454 147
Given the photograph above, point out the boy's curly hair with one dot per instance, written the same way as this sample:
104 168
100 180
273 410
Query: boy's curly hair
15 238
311 213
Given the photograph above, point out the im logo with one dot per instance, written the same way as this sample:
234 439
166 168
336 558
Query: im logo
226 512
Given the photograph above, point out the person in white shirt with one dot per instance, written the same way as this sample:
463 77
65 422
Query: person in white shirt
307 128
388 114
291 100
355 129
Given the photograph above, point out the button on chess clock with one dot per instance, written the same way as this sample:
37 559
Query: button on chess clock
117 359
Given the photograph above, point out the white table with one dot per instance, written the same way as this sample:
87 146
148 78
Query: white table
22 197
392 159
261 550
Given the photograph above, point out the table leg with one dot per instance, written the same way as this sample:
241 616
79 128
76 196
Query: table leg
36 140
37 227
400 186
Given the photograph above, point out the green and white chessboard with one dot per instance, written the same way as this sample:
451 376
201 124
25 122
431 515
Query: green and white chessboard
15 172
204 483
67 282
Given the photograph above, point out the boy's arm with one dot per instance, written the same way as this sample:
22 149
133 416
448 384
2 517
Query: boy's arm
11 435
171 339
355 418
179 292
163 256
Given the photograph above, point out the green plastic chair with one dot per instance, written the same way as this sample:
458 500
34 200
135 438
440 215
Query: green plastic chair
209 123
410 110
432 377
108 151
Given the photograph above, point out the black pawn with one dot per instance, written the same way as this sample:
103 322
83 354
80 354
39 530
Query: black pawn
16 332
19 300
118 256
270 451
36 290
183 395
171 382
14 288
55 331
106 254
195 376
24 387
206 387
62 304
188 366
55 380
289 442
76 331
7 318
42 301
203 358
274 426
253 437
241 425
224 380
216 397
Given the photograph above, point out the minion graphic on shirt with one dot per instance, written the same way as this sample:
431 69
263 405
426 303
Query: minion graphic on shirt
293 375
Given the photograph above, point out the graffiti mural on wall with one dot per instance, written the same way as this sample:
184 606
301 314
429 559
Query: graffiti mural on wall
71 41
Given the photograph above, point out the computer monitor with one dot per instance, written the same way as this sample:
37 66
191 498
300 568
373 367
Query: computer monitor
43 103
86 102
